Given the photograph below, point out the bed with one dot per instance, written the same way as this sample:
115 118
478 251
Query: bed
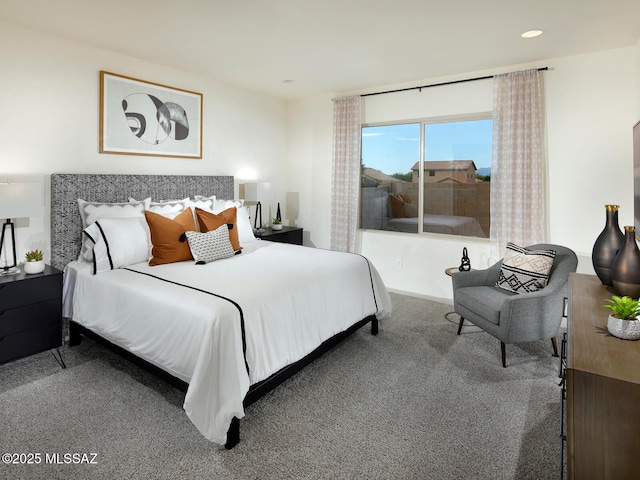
447 224
229 330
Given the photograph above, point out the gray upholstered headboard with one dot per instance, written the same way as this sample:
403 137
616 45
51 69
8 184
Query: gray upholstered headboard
66 188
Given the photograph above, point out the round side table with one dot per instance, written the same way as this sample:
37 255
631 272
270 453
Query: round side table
449 271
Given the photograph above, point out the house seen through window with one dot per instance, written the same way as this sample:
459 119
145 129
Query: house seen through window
443 166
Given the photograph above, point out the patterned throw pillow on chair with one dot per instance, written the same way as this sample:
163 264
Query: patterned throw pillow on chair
525 271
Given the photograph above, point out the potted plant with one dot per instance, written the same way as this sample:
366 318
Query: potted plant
623 321
35 262
276 224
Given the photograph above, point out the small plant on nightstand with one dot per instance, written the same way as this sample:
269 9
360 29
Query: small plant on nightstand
34 256
35 262
276 224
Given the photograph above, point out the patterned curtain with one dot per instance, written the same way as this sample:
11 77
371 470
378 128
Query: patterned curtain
345 183
518 169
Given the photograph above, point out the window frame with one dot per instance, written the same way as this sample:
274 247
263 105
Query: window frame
467 117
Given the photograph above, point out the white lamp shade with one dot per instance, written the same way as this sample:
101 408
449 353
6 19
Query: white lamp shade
257 192
293 205
21 200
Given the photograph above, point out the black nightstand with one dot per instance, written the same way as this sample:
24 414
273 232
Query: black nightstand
30 314
291 235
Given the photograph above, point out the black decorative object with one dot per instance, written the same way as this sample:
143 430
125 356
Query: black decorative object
625 272
257 227
278 216
607 245
9 224
465 266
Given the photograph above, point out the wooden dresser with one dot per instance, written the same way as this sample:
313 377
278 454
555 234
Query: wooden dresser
602 389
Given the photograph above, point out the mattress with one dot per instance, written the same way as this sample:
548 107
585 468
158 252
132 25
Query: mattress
226 325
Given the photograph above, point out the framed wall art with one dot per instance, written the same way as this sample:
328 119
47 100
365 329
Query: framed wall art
144 118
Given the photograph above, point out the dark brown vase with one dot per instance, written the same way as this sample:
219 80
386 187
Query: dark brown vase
625 272
607 245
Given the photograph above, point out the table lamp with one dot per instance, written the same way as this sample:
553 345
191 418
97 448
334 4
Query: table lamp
254 194
17 200
292 209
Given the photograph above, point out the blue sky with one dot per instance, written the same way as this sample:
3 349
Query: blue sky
395 148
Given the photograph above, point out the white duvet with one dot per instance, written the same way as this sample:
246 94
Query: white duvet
288 298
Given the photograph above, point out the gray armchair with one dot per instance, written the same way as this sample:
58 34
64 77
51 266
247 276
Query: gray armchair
513 317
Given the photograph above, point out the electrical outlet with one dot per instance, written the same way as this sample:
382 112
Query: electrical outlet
398 263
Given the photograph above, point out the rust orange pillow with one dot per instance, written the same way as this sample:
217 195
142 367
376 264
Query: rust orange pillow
211 221
397 206
165 237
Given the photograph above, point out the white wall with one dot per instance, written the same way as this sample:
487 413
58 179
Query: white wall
49 95
590 113
591 105
49 92
309 167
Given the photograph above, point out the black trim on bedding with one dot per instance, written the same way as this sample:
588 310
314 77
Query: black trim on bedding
95 268
373 289
244 338
104 238
90 237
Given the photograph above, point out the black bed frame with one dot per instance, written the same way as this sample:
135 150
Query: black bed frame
256 391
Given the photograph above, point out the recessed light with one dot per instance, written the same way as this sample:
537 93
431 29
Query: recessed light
532 33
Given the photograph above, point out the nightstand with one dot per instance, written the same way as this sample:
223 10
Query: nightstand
30 314
291 235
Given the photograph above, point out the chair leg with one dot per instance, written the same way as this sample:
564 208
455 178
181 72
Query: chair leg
460 325
554 342
503 350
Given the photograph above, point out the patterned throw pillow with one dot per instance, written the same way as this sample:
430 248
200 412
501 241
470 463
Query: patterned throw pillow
210 246
525 271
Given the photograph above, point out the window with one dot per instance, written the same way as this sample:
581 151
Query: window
443 166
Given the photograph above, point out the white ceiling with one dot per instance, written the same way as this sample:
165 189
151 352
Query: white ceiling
333 46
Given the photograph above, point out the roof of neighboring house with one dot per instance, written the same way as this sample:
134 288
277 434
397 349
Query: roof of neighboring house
379 176
448 180
446 165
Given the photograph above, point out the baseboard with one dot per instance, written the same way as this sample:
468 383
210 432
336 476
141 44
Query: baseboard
446 301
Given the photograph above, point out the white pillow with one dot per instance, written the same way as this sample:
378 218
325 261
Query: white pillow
243 223
205 203
210 246
221 205
118 242
167 208
92 211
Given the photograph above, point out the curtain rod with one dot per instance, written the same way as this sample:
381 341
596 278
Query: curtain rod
437 84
